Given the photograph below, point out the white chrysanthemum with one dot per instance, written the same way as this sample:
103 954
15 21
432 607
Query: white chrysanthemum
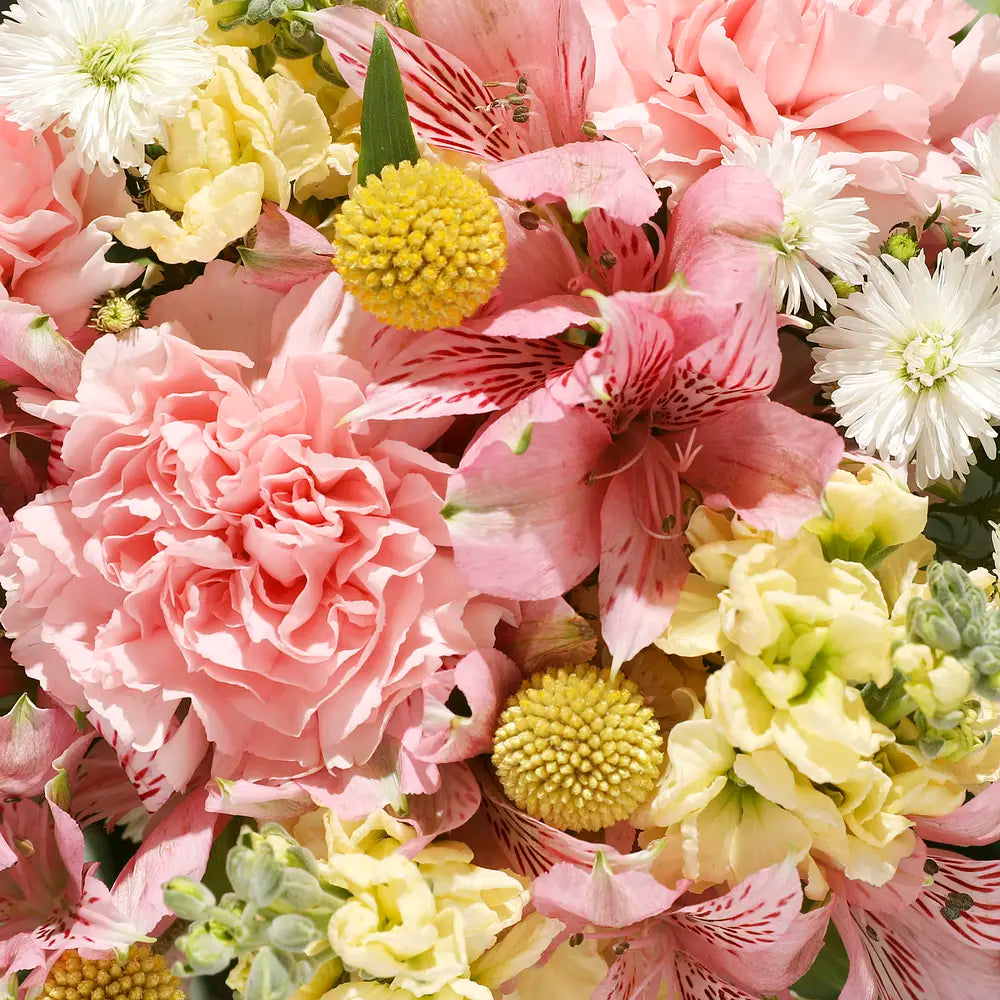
112 71
821 230
981 191
915 358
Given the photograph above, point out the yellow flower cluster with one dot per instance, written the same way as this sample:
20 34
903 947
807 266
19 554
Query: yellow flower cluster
431 925
784 757
245 139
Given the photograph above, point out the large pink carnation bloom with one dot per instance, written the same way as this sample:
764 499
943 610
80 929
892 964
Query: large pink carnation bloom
879 81
236 564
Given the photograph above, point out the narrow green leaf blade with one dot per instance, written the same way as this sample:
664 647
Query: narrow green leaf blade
386 133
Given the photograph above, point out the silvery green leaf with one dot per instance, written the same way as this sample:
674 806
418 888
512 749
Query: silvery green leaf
268 978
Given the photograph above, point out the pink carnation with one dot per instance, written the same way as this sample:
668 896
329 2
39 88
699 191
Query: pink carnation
239 557
879 81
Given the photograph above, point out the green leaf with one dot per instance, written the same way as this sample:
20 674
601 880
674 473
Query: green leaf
386 133
826 978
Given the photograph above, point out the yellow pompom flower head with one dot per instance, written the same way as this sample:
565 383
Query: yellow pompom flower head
141 975
418 244
578 748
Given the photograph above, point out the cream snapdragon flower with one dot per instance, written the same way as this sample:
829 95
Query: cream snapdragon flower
244 140
113 72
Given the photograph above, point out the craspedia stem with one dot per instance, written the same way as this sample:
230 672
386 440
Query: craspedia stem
578 748
142 976
422 246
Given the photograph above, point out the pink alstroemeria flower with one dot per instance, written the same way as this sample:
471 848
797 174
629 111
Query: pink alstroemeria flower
940 913
589 464
52 901
752 940
462 48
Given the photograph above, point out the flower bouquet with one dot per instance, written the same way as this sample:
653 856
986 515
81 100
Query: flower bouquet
498 500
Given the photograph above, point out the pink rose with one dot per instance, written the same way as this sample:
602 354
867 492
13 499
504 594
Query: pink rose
243 558
871 78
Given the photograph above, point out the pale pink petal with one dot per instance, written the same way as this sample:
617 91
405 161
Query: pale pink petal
440 812
32 351
521 509
755 934
449 106
457 371
487 678
976 822
222 311
601 898
286 251
550 45
643 563
583 175
767 462
550 634
31 739
175 844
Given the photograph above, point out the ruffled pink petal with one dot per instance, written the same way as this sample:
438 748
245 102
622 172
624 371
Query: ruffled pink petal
521 509
286 251
767 462
583 175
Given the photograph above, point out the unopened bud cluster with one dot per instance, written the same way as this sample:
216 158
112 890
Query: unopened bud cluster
275 917
950 658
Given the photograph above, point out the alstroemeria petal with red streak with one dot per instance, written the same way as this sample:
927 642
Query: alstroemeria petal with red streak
584 175
550 634
755 934
551 45
975 823
449 372
448 104
522 512
767 462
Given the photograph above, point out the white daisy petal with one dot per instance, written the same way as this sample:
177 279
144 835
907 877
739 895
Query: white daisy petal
112 72
980 191
821 229
914 359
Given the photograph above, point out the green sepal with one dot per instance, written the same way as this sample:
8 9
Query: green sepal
386 133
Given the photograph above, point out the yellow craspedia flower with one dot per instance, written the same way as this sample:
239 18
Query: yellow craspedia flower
142 976
578 748
421 246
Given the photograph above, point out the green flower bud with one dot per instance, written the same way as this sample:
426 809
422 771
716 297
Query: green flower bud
187 898
299 891
292 932
931 624
902 245
985 660
254 874
206 952
843 288
269 978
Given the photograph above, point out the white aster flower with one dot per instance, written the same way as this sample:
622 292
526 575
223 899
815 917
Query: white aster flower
915 358
821 230
112 71
981 191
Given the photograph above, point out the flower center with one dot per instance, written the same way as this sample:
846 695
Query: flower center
115 314
578 748
422 246
928 358
110 61
140 976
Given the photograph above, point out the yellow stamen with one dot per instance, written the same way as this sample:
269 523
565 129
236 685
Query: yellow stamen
142 976
422 246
